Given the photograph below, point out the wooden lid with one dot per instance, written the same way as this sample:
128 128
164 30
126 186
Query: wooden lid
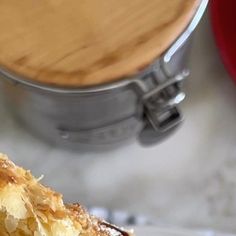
77 43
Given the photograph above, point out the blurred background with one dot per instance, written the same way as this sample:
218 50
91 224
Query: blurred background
188 180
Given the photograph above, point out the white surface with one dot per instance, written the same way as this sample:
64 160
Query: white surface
189 180
154 231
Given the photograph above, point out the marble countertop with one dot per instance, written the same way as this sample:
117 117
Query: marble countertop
189 180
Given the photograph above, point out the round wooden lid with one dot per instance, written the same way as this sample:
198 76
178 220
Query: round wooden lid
76 43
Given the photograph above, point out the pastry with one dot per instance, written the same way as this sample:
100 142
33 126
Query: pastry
31 209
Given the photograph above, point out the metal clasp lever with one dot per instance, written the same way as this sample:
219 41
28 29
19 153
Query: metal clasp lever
160 104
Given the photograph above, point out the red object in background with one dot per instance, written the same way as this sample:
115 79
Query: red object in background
223 16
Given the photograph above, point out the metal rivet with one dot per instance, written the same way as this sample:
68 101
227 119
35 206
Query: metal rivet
64 134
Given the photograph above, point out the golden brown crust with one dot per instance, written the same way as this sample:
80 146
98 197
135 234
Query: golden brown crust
81 43
31 209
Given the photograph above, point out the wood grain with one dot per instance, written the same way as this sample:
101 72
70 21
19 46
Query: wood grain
78 43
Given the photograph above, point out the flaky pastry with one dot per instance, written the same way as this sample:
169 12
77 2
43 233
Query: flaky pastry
27 208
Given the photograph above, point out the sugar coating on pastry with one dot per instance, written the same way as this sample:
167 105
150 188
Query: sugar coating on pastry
28 208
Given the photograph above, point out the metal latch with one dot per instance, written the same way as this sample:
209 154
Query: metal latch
160 102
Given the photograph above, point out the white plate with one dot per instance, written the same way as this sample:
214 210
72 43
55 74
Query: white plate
155 231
